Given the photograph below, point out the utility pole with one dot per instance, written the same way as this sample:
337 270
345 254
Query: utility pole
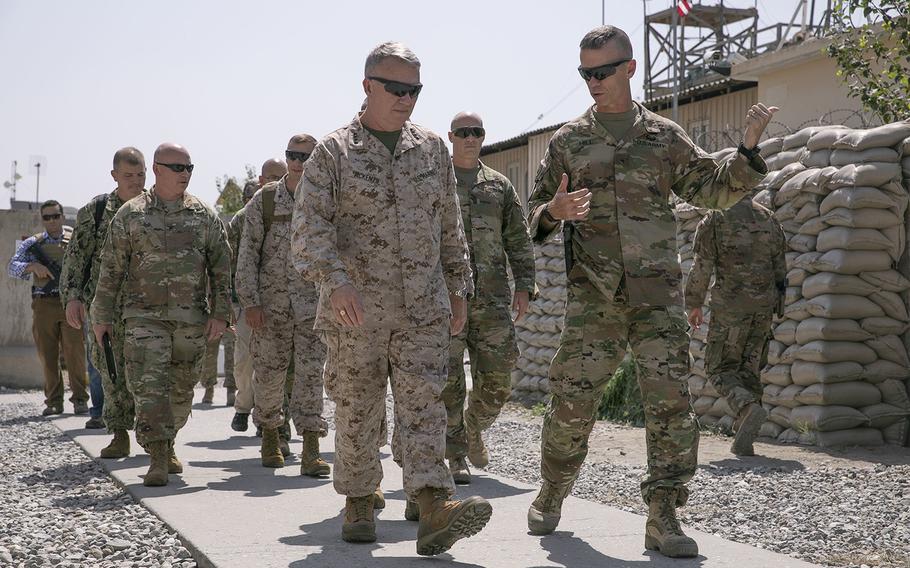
37 181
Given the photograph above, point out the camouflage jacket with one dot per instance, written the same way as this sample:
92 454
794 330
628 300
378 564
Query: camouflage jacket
265 276
163 258
235 233
390 226
630 231
744 248
497 232
82 261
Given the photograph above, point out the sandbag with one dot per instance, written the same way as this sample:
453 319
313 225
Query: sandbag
775 349
854 394
897 236
776 177
815 328
780 415
826 418
696 385
808 211
887 135
890 348
850 437
697 349
770 430
793 294
894 392
835 351
765 198
782 159
865 175
789 354
806 373
800 137
707 420
851 261
812 226
785 333
842 157
851 239
796 276
798 310
886 279
842 306
883 370
805 261
897 433
817 159
802 243
703 405
882 415
771 146
789 436
790 227
883 326
817 183
831 283
856 198
789 396
826 138
861 218
776 375
770 394
786 212
792 187
891 304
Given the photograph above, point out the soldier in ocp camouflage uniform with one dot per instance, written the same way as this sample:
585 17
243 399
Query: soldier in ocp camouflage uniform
497 234
378 228
280 307
622 163
81 268
744 248
165 251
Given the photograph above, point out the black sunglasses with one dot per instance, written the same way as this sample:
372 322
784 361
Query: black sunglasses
299 156
465 131
178 168
602 72
52 216
399 89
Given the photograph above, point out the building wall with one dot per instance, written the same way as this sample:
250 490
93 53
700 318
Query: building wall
513 164
716 122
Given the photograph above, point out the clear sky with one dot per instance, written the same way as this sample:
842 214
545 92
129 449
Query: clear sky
233 80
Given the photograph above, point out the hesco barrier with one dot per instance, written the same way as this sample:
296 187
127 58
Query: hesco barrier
838 364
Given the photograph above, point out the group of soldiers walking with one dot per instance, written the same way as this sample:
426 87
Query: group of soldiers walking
374 257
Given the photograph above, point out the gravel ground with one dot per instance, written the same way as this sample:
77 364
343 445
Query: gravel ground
834 516
60 508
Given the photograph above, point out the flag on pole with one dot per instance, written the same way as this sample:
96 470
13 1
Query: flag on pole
683 7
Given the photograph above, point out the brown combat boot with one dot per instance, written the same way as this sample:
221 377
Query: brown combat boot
270 451
173 464
378 499
310 463
358 525
157 473
546 510
444 522
750 420
477 451
662 531
119 446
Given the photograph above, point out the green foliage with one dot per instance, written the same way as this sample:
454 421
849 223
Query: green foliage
621 401
873 58
230 191
539 409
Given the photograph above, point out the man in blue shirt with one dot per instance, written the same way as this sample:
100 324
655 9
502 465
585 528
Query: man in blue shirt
39 259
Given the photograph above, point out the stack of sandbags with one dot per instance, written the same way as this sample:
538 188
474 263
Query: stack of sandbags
837 364
539 331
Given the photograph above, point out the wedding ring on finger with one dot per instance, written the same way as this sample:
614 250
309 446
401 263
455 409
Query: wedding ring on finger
343 313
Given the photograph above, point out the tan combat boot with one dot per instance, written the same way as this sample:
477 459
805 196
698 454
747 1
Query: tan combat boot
444 522
157 473
119 446
358 525
546 510
662 532
461 475
270 451
173 464
750 420
477 451
310 462
378 499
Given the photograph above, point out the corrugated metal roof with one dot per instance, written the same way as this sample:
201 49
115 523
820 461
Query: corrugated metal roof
516 141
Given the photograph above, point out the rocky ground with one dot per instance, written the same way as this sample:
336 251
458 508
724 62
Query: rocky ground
60 508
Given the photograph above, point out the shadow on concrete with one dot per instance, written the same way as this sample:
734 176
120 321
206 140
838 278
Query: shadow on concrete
568 550
758 465
256 481
486 487
333 551
175 486
235 442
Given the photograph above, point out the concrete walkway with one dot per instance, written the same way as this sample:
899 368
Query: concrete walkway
231 512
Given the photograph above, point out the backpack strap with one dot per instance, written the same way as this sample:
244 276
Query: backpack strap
100 205
268 208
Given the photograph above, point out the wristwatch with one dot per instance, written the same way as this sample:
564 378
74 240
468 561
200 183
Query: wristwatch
749 154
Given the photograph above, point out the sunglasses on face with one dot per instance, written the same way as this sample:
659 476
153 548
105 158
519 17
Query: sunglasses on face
397 88
602 72
465 131
178 168
52 216
299 156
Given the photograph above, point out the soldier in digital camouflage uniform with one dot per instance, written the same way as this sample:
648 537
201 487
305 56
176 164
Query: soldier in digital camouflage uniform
611 173
378 228
497 235
744 248
165 251
280 308
81 267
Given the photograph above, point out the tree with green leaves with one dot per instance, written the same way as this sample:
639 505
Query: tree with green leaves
873 57
230 191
